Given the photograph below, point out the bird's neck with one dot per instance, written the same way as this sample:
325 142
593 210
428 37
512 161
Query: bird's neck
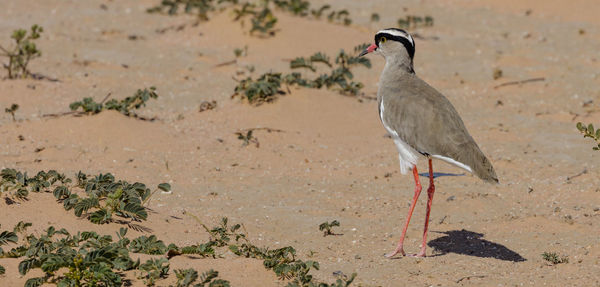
397 67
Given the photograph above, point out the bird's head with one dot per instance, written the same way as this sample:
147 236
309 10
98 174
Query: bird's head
395 45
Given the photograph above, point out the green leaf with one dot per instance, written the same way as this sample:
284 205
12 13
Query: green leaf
136 211
100 216
590 128
164 187
26 265
2 270
85 204
185 277
580 127
34 282
8 236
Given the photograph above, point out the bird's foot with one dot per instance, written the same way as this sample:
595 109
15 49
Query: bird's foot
398 250
418 255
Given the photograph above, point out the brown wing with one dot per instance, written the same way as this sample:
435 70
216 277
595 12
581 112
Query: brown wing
427 121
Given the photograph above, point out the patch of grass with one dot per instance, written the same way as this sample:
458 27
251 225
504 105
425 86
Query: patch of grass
327 226
554 258
589 132
11 110
414 22
24 51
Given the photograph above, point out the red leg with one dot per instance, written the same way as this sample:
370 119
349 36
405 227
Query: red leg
430 192
399 248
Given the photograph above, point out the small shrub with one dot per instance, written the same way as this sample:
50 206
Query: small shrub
262 90
13 108
589 132
153 270
554 258
375 17
125 106
327 226
413 22
24 51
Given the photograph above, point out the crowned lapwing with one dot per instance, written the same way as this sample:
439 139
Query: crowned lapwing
421 121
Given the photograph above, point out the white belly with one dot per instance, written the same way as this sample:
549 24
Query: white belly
407 155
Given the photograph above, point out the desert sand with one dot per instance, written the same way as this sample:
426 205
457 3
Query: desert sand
331 159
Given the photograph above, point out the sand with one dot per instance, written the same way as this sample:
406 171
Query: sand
331 159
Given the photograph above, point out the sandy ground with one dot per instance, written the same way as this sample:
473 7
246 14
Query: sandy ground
332 160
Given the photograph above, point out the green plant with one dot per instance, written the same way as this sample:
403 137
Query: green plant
6 237
104 196
153 270
327 226
261 16
268 86
341 16
262 90
90 259
172 7
88 105
19 184
148 245
375 17
589 132
125 106
239 52
554 258
413 22
186 277
247 137
24 51
108 197
13 108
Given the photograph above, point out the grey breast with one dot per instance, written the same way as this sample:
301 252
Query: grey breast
427 121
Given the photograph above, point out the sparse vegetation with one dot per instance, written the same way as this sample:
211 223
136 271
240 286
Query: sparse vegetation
268 86
262 90
554 258
589 132
24 51
260 14
497 73
11 110
414 22
6 237
375 17
186 277
153 270
90 259
327 226
125 106
104 196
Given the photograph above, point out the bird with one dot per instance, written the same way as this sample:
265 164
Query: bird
421 121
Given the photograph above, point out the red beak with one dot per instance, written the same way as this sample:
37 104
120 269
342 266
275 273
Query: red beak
368 50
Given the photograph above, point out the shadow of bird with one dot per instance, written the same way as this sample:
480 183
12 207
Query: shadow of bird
471 243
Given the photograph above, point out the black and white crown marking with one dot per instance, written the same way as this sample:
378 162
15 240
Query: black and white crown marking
397 35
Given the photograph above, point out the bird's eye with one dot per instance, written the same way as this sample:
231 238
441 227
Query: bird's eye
383 39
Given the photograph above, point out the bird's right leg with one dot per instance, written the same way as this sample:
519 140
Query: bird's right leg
400 247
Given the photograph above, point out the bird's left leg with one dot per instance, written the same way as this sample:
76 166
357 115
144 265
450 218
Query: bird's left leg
430 192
